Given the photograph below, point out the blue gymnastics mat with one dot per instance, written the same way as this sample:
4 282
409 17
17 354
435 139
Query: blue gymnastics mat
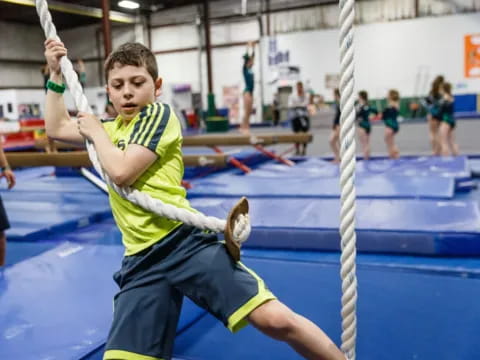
398 226
40 206
475 167
58 305
425 166
401 315
369 186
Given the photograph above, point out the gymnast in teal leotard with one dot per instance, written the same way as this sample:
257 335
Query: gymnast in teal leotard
248 76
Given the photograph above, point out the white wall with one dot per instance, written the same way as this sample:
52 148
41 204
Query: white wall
389 55
405 55
20 42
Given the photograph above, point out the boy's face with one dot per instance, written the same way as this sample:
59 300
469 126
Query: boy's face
130 88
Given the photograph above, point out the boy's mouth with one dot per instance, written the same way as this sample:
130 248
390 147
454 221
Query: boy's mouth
129 106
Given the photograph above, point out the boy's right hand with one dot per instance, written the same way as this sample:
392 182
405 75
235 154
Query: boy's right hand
54 50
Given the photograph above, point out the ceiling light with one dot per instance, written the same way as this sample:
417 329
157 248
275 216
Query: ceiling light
127 4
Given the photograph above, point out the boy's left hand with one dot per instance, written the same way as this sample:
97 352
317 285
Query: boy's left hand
88 125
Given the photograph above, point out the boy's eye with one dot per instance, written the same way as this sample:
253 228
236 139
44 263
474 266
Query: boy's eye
138 83
116 86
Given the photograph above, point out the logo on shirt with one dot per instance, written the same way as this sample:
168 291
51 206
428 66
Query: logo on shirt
121 144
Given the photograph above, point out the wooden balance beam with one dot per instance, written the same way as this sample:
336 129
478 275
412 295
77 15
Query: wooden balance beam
80 159
216 140
259 139
42 143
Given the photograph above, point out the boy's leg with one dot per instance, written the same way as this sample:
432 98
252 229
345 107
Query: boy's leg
279 322
144 323
236 295
147 307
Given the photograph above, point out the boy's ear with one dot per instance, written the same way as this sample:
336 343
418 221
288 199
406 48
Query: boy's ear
158 86
108 92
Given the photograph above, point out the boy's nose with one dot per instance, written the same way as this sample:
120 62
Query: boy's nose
127 90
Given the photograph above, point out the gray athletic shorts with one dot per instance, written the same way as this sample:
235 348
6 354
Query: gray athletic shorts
188 262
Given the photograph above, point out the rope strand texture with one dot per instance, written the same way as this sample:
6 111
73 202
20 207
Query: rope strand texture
347 180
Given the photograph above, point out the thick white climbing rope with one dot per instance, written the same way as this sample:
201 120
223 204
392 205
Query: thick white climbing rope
347 180
169 211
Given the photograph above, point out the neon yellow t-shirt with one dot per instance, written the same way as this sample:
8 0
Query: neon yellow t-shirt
157 128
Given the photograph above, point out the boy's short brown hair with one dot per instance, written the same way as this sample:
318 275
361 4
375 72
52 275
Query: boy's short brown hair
134 54
394 95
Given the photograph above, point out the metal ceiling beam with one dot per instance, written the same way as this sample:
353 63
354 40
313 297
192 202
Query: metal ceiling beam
78 10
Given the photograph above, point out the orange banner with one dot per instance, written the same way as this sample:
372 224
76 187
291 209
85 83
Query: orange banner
472 55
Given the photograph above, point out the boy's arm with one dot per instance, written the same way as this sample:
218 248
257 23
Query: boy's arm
58 124
122 167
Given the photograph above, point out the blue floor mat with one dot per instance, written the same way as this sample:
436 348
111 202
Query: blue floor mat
378 186
475 167
398 226
58 305
39 207
401 315
425 166
19 251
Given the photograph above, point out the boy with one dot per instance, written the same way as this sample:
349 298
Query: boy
164 260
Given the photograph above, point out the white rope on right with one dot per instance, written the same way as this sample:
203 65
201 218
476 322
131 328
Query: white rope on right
347 180
196 219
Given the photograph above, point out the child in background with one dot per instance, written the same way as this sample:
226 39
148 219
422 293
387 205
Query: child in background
448 145
433 101
299 115
364 113
248 76
390 118
335 134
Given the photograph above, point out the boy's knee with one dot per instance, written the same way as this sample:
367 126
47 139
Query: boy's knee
277 322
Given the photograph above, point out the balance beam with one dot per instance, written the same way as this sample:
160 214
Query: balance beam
60 145
259 139
217 140
80 159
